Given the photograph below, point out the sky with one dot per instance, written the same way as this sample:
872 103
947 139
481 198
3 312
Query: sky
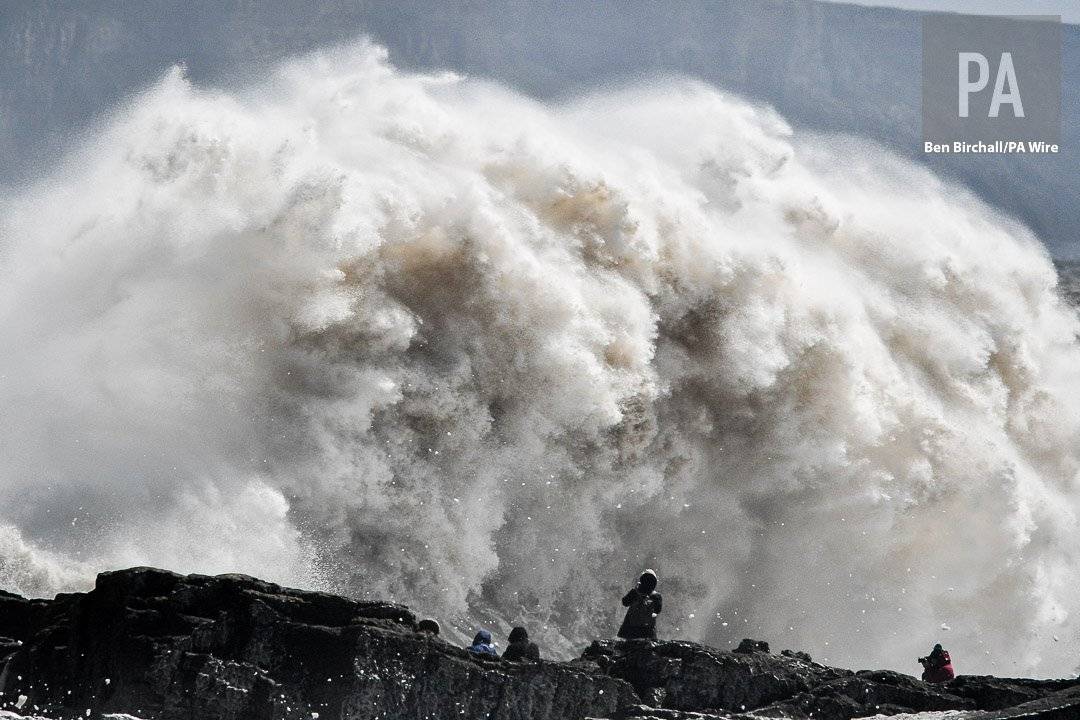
1069 10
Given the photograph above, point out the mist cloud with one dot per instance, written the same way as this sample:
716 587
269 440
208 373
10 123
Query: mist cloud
418 338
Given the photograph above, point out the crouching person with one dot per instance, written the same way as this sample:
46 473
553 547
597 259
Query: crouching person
937 666
482 645
520 647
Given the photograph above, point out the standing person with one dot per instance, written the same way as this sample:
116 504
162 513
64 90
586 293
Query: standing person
937 666
482 645
643 604
520 647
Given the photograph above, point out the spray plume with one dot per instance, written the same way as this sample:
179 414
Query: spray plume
419 338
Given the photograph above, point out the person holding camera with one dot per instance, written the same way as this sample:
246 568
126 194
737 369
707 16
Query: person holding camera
937 666
643 604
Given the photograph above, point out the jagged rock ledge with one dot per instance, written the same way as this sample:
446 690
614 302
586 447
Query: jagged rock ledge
156 645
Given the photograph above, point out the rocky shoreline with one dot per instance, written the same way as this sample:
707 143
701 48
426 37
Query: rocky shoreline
151 644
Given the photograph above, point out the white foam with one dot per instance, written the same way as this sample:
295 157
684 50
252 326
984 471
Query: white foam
420 338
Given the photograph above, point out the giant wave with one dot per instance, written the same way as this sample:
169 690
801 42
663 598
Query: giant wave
420 338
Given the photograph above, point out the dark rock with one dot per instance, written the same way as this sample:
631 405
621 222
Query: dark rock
1063 705
867 693
162 646
686 676
753 646
644 712
991 693
18 615
159 645
797 654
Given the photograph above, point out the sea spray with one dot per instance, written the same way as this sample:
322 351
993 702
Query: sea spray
419 338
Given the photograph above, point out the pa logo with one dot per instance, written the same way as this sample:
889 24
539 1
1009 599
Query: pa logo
991 79
1006 88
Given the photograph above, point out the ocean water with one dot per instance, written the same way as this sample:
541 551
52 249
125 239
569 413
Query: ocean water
419 338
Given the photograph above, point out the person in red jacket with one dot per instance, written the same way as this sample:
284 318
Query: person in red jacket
937 666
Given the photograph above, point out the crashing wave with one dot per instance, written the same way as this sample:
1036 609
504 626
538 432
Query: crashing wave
418 337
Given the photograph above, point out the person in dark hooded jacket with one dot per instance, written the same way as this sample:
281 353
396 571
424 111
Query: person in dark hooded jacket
937 666
520 647
482 645
642 605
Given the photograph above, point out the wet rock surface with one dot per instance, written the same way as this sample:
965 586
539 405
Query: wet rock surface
681 675
157 645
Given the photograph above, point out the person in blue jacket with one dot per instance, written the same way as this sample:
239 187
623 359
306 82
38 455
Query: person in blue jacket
482 644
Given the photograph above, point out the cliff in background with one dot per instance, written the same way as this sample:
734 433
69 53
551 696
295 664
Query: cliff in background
825 67
153 644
